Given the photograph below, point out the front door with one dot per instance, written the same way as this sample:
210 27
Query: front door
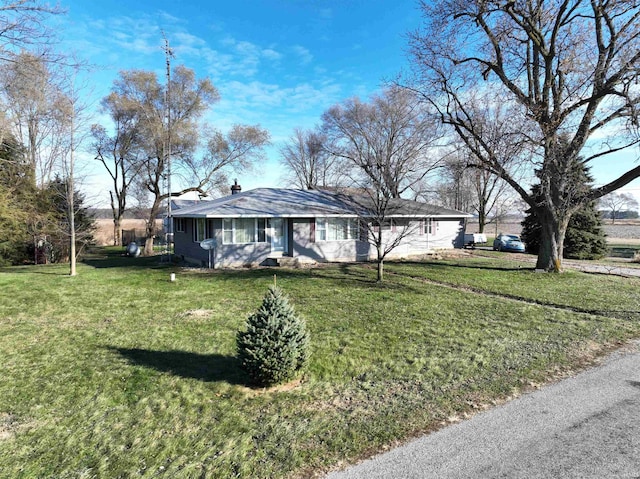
278 232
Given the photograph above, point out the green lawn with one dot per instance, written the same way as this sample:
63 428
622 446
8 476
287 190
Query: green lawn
120 373
605 295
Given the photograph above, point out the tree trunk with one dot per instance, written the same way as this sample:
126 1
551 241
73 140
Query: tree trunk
380 261
551 243
151 228
482 221
72 236
380 271
116 213
71 203
148 245
117 230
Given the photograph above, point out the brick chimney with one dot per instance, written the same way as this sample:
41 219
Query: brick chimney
235 188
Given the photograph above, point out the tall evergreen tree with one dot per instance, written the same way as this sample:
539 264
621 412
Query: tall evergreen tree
55 201
585 237
17 193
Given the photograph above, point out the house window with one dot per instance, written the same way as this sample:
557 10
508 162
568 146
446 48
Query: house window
200 230
427 226
243 230
227 231
336 229
262 235
179 225
321 229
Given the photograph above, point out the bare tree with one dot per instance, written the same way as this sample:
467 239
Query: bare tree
76 116
307 161
388 142
36 106
23 26
453 185
239 149
384 222
618 202
566 68
118 154
167 119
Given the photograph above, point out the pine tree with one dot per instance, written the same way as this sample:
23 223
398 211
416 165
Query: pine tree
55 202
275 345
17 202
585 237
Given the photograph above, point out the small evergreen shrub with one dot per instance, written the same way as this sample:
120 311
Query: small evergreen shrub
275 345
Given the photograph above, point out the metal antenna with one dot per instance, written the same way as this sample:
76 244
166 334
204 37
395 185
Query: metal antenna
168 51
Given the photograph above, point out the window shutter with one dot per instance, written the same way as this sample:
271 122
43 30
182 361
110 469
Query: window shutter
312 228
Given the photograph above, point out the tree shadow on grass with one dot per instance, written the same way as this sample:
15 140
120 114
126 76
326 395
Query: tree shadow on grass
203 367
436 266
122 261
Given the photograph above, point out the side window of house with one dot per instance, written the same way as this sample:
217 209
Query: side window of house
200 230
426 226
179 225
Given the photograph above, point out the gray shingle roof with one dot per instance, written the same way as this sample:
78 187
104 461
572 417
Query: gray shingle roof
280 202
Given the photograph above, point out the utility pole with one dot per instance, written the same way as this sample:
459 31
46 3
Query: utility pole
167 144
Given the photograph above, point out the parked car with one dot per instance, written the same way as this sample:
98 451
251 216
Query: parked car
508 243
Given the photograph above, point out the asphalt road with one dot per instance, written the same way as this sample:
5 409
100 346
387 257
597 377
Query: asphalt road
587 426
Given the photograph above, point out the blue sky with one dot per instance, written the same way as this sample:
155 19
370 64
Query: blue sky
278 63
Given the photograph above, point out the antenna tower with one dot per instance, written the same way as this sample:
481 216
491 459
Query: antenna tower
168 51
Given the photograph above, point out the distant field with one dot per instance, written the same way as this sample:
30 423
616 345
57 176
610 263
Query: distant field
622 232
104 232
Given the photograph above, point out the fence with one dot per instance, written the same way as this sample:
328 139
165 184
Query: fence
140 235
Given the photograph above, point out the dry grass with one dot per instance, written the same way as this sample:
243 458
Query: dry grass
104 231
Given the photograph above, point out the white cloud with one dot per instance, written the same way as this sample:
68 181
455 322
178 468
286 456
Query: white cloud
187 40
271 54
303 53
